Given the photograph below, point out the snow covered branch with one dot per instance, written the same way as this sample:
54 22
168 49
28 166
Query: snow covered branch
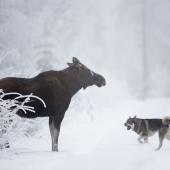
8 108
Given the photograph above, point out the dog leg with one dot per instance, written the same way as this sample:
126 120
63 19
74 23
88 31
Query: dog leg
160 144
146 139
161 138
139 139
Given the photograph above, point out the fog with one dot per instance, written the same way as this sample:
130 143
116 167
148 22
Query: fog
125 40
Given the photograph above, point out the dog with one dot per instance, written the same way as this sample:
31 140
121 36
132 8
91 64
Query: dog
148 127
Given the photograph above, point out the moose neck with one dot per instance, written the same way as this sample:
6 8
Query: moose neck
71 80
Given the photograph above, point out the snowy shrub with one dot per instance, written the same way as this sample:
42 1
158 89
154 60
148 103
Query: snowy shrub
8 118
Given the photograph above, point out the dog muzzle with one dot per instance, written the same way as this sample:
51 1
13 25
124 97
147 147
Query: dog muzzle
129 126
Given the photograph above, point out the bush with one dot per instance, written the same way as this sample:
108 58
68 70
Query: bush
8 117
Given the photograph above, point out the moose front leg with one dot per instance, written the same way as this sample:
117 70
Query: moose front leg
54 131
55 139
51 127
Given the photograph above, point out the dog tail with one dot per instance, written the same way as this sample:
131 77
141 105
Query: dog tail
166 120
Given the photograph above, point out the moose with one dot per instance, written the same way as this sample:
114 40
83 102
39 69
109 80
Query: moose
55 88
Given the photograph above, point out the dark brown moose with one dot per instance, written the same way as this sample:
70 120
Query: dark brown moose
56 88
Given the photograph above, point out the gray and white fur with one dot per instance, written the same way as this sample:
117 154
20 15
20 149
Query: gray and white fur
148 127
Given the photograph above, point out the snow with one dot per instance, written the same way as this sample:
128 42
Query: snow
99 143
107 36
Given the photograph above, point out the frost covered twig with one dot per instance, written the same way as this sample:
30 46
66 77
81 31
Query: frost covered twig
8 108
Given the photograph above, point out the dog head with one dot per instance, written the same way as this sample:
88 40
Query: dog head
130 123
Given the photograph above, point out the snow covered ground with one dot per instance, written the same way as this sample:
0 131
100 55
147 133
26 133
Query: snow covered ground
99 142
45 35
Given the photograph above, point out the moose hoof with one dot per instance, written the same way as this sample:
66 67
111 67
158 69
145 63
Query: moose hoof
55 148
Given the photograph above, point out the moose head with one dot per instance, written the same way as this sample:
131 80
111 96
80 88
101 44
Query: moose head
86 76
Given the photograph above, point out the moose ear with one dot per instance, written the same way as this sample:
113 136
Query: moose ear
75 60
134 117
70 64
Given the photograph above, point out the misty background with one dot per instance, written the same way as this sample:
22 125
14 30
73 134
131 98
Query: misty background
125 40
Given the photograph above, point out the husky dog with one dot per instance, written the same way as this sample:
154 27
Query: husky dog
148 127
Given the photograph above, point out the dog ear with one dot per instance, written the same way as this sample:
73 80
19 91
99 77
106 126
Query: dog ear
134 117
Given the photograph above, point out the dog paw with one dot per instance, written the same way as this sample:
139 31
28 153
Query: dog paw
157 149
141 142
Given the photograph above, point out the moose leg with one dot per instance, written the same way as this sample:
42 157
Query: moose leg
51 127
54 131
55 139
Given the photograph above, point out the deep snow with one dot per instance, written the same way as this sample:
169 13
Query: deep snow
99 143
